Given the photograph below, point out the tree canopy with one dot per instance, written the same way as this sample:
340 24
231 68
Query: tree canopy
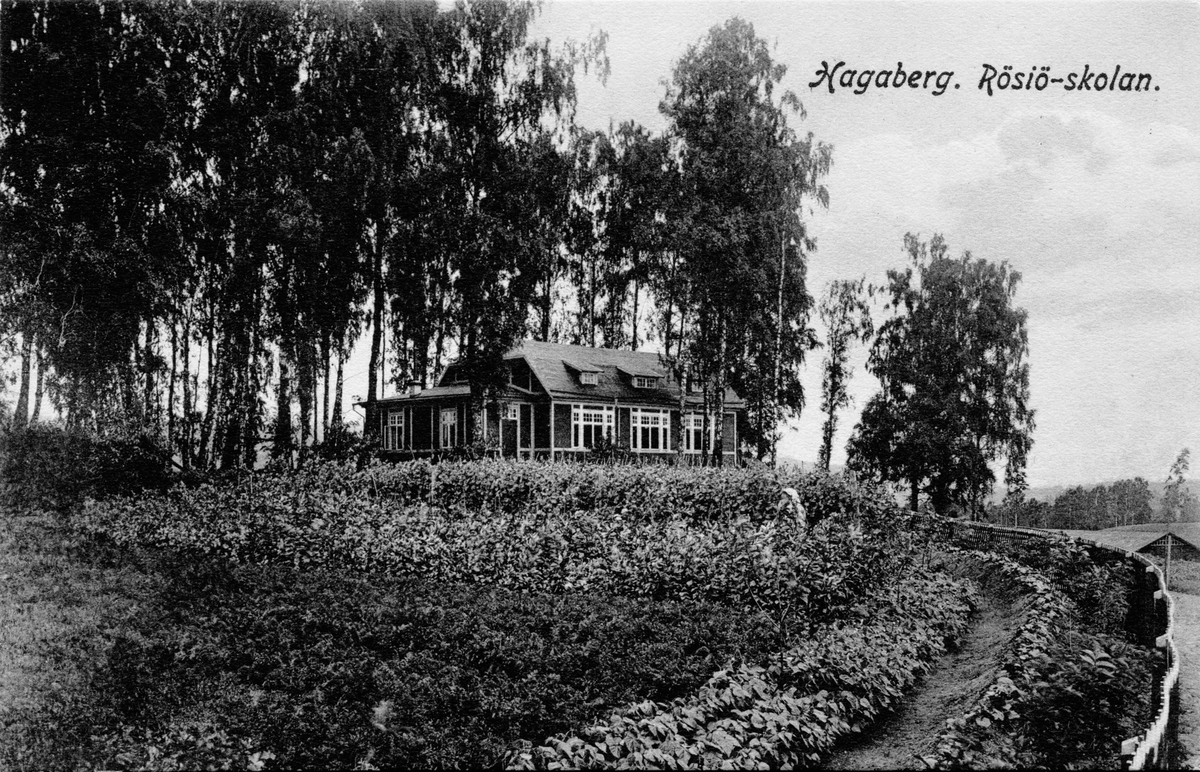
846 313
954 380
205 206
742 177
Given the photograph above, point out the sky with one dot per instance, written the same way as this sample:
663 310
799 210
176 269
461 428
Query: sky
1093 196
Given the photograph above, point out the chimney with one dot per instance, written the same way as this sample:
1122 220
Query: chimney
412 387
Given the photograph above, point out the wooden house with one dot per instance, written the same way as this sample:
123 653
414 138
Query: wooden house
560 402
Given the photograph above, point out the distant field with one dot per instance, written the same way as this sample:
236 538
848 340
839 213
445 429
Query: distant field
1184 576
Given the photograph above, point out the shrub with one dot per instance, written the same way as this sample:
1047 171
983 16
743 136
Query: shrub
48 466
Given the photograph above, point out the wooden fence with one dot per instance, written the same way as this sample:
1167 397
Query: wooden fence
1151 621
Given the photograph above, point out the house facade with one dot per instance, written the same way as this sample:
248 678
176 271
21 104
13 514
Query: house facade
560 402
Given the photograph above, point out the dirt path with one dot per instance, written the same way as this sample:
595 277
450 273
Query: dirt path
1187 639
956 680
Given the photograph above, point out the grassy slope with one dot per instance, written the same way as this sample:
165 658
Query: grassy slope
58 614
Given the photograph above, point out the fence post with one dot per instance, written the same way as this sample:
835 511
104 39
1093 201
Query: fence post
1167 568
1150 607
1128 748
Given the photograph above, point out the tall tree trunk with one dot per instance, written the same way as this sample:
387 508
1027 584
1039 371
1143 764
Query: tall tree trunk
326 356
336 420
636 291
827 440
316 416
668 310
370 425
474 433
254 386
719 396
303 359
913 493
439 350
547 307
282 446
21 413
212 403
171 389
188 407
149 414
776 385
681 427
591 312
40 381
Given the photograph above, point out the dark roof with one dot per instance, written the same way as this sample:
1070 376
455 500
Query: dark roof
556 367
581 368
436 392
1130 541
552 362
645 372
1187 531
1137 538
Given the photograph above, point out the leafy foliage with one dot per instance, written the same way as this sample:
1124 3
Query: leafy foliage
477 622
1125 502
50 467
1178 503
1070 690
788 714
954 380
334 670
774 565
740 308
846 314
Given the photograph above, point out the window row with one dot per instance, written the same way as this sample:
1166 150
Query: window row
394 438
649 429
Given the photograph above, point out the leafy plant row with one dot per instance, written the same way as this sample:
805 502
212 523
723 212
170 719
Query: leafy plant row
1092 580
643 492
775 565
333 670
792 711
1065 697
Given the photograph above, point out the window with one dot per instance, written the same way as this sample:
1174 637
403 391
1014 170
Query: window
650 429
693 433
510 412
393 437
589 424
449 427
644 382
589 379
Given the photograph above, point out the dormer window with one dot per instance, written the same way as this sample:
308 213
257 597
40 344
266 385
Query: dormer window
644 382
588 375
